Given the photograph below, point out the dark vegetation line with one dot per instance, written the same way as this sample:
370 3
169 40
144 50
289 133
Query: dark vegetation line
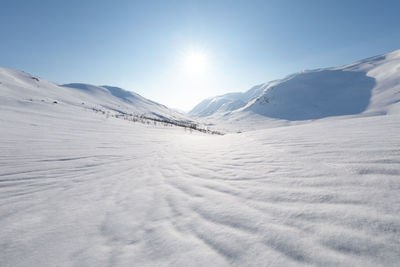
187 125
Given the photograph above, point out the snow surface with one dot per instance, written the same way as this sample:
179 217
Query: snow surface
79 188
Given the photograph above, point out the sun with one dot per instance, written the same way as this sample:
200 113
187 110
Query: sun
195 62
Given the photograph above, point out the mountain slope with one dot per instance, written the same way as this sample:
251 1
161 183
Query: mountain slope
227 102
22 87
316 94
370 86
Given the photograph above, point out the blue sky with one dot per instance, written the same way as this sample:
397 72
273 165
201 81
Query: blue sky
141 45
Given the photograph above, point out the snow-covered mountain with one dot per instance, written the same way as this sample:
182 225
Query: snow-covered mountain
17 86
227 102
370 86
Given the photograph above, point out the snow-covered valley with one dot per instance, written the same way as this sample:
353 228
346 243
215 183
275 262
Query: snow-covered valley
79 188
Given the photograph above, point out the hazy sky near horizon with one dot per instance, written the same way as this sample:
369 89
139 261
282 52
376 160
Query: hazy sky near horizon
180 52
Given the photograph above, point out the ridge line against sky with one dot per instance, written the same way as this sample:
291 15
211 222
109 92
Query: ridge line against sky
180 52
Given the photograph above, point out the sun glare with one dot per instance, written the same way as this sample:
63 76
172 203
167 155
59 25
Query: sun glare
195 62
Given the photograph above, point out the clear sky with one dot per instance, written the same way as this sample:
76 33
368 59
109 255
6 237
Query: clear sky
180 52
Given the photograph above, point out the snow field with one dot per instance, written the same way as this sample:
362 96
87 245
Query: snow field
90 191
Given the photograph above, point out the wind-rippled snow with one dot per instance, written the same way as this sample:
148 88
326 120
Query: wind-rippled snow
84 190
